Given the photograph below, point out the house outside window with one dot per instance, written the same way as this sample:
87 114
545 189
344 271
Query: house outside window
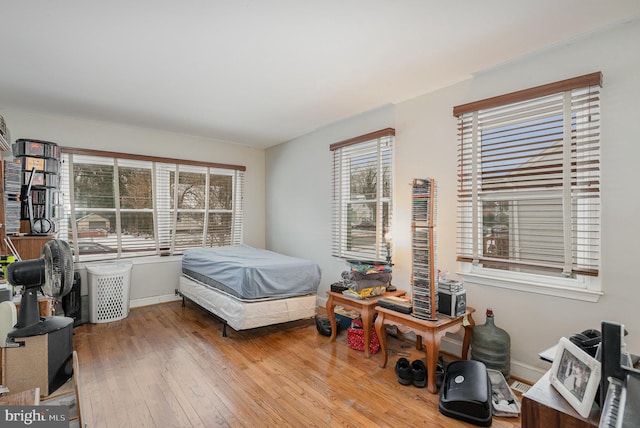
529 189
362 196
118 205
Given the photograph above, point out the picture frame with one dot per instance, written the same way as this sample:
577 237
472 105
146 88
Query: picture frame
576 376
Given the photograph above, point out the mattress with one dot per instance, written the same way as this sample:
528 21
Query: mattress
250 273
242 315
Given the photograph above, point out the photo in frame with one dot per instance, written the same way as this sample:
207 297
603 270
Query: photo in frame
576 376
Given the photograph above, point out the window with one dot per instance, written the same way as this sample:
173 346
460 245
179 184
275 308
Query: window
362 195
118 205
529 183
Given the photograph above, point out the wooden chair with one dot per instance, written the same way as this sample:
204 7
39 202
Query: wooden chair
76 384
69 394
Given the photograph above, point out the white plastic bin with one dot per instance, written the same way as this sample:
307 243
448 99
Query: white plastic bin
109 291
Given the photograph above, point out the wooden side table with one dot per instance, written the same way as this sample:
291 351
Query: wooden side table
365 307
431 331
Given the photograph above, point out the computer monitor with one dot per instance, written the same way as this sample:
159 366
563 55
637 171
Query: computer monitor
610 364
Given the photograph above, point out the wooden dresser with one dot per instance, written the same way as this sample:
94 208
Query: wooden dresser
544 407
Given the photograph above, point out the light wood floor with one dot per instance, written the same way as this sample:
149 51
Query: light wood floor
168 366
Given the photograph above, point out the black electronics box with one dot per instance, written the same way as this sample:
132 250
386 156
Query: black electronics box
466 393
5 294
452 304
72 302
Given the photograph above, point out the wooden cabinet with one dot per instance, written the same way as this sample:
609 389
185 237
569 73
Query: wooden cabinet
543 406
30 247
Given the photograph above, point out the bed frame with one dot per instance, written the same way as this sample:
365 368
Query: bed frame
242 314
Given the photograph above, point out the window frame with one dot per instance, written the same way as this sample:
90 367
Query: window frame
586 287
164 213
376 145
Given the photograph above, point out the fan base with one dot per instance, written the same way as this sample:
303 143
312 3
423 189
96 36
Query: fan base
46 325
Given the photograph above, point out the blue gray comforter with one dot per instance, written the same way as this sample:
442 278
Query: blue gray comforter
251 273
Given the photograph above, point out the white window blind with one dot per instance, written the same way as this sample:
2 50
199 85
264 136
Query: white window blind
362 196
529 180
127 206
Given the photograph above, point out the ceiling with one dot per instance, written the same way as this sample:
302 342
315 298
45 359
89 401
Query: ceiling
261 72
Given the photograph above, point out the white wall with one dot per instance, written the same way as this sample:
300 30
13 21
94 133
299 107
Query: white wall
153 279
299 192
298 186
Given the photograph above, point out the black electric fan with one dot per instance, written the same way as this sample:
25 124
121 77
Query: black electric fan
53 271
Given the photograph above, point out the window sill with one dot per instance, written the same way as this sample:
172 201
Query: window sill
133 260
564 291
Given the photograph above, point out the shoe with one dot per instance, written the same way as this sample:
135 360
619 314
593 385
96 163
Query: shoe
419 373
323 325
403 371
440 369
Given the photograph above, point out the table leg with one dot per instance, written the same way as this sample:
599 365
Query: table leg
381 331
432 350
332 318
468 323
366 325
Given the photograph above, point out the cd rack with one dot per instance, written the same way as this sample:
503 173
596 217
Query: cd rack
424 281
12 202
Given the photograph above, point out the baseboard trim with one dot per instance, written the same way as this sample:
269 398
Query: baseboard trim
148 301
520 370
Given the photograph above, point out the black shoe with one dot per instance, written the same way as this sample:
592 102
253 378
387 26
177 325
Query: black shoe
403 370
323 325
419 373
440 369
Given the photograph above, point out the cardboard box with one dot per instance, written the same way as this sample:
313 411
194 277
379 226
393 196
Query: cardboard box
26 367
42 361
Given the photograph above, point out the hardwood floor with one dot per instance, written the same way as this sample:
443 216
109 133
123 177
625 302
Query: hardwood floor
169 366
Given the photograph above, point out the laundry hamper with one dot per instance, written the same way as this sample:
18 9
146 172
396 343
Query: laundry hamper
109 291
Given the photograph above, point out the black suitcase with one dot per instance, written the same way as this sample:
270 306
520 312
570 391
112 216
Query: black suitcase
466 393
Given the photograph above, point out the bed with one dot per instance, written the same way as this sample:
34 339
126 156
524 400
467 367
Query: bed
247 287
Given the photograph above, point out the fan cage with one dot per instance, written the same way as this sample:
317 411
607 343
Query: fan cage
58 268
109 291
